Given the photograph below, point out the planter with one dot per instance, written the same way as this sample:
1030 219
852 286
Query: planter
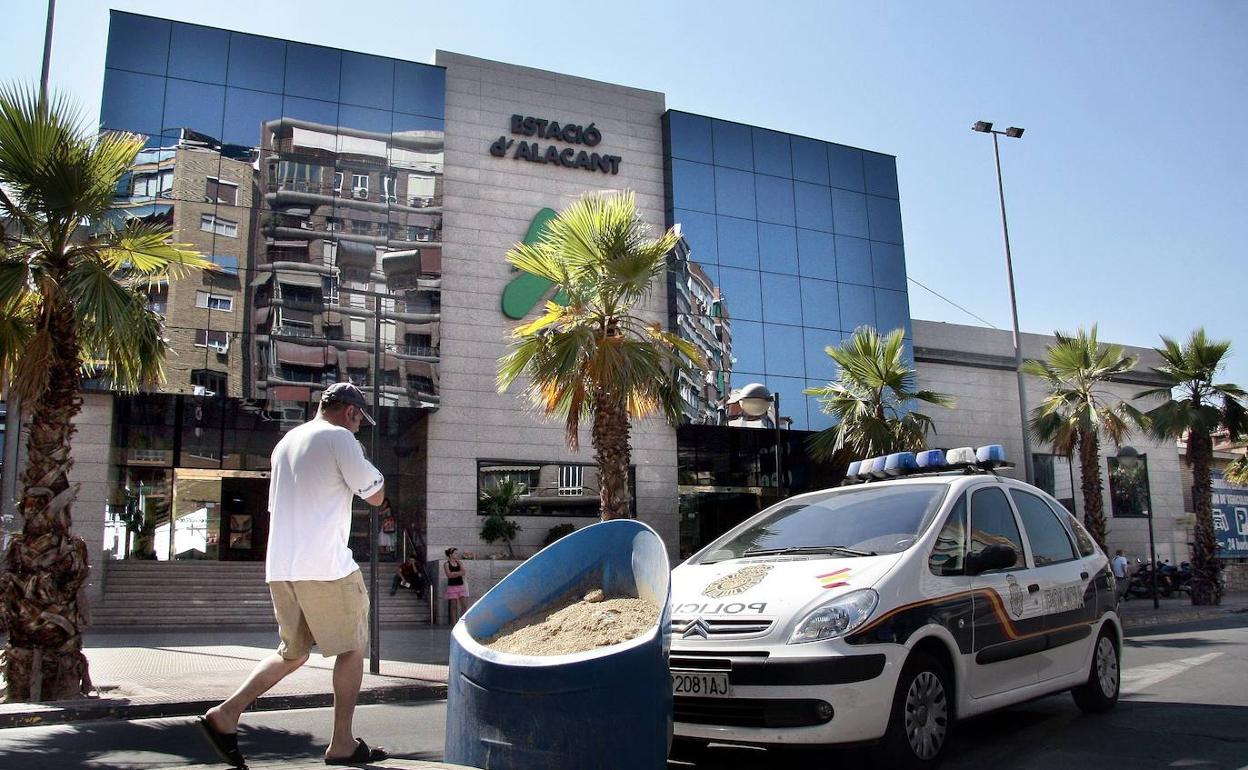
604 708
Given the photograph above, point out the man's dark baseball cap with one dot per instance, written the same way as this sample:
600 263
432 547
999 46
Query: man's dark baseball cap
346 393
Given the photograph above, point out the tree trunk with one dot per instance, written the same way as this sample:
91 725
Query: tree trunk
46 565
1090 486
1206 566
611 450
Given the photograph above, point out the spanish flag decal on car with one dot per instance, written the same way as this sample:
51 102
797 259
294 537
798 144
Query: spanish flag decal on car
835 579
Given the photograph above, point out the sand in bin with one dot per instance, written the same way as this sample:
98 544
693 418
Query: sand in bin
576 625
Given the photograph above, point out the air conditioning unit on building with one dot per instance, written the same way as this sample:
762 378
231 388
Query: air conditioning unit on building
359 193
220 347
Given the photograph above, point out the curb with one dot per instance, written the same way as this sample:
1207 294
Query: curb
96 709
1185 616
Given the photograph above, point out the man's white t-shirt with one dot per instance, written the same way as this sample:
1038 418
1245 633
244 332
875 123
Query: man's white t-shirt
316 470
1119 565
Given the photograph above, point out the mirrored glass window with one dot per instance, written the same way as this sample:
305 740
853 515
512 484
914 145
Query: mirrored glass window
810 160
132 102
742 293
849 213
820 304
775 199
792 401
853 260
813 205
690 137
782 299
881 174
738 242
777 248
199 53
693 186
771 153
257 63
819 365
784 350
246 112
888 265
364 119
857 306
747 348
845 168
734 193
699 230
734 146
816 254
199 107
885 219
892 311
138 43
419 89
312 71
367 81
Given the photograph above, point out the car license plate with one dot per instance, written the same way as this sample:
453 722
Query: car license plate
700 683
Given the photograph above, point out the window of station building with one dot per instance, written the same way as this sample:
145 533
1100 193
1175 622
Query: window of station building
221 302
571 480
210 223
217 191
554 488
215 340
1129 494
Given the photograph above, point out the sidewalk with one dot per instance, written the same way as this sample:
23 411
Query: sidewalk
180 674
163 674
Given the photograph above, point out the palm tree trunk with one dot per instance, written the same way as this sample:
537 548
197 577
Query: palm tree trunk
611 450
1205 562
46 565
1091 487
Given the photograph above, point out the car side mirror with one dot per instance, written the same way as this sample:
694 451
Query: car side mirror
992 557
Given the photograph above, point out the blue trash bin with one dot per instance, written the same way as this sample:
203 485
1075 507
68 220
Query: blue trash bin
607 708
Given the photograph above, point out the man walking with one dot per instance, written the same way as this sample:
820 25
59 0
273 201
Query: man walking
318 593
1119 565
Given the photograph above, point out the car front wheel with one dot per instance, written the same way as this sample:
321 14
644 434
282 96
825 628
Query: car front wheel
1100 692
922 716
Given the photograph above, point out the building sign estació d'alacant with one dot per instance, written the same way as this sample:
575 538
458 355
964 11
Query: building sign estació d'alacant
568 157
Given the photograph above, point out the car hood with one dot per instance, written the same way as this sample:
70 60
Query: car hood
774 587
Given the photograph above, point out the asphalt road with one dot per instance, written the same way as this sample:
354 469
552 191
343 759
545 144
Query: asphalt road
1185 704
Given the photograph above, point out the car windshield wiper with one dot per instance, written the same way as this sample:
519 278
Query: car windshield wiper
834 549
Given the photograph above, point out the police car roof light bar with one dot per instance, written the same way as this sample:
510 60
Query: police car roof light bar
900 464
986 458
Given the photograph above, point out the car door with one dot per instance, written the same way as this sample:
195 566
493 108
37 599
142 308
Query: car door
1068 596
1008 628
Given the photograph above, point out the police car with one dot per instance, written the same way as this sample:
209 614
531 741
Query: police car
925 590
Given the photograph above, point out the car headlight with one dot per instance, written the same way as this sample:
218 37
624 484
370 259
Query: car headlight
836 618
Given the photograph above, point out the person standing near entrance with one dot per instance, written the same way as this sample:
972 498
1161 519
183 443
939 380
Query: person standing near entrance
1119 565
318 592
456 587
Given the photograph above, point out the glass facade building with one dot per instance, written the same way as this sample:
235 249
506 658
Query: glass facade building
312 177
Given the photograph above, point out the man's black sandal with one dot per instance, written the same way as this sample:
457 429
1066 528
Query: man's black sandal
225 744
363 755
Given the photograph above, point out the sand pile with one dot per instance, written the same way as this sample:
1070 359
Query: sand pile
577 625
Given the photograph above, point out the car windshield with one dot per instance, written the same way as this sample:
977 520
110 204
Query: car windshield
854 521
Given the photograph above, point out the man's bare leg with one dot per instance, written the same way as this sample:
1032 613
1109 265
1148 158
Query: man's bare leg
268 672
348 675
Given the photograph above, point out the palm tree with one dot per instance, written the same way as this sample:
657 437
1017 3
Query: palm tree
871 399
498 500
72 300
1078 410
594 359
1196 406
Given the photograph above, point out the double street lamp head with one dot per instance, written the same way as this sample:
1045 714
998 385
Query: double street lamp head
755 399
985 127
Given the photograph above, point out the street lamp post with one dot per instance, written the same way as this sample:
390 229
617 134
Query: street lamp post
985 127
755 400
1129 459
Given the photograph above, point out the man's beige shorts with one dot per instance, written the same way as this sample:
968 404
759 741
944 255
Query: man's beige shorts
332 614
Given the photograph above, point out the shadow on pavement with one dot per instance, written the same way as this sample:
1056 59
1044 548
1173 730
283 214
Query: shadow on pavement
1229 620
1048 733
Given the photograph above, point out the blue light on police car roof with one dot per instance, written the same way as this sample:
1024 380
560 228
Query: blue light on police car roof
932 458
877 466
899 463
992 453
853 469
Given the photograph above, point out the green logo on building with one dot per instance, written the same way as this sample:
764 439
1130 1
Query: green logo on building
526 289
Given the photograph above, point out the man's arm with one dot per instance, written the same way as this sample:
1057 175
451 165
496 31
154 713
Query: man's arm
360 475
375 499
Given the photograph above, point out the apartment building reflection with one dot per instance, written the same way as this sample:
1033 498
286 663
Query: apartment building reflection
699 314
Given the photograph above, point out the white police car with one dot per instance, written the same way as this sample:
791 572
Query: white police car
885 610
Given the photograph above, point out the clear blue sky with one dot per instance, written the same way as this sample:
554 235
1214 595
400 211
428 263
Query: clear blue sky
1127 198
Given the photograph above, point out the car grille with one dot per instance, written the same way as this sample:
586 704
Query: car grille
749 712
708 628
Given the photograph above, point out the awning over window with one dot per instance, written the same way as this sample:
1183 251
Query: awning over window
290 393
298 316
298 278
359 359
302 355
509 468
422 369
